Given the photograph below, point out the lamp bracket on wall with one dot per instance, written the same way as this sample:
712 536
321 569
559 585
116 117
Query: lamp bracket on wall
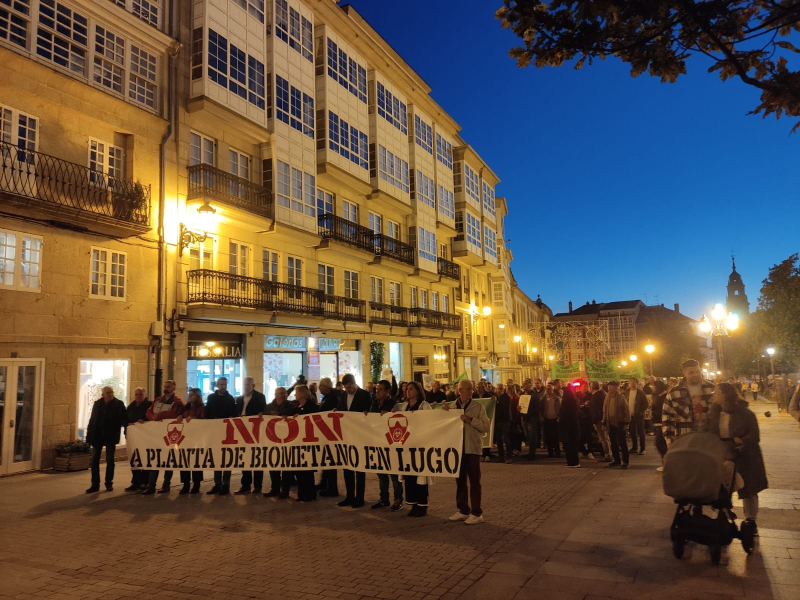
189 237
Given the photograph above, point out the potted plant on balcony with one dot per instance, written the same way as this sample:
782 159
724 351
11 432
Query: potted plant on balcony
73 456
128 201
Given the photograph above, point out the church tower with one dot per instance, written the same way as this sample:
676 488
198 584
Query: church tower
737 299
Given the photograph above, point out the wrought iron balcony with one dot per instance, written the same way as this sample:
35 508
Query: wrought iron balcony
332 227
524 360
217 287
423 317
449 269
61 187
387 314
388 246
208 182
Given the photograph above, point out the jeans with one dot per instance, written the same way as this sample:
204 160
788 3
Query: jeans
153 479
602 435
618 443
470 468
551 437
222 478
532 434
383 485
502 436
637 433
416 493
96 452
354 483
256 479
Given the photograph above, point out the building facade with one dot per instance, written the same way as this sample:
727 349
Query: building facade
194 189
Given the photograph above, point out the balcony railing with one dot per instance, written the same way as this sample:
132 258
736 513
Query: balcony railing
340 229
449 269
217 287
387 314
423 317
39 176
332 227
206 181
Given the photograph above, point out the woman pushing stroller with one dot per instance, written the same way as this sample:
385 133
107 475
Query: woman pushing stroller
732 420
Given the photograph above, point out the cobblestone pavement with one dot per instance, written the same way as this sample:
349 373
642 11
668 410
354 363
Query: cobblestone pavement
550 532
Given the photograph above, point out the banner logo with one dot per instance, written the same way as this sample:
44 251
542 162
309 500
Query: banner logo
398 430
174 434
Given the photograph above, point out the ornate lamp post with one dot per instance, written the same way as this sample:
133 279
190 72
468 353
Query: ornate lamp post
724 324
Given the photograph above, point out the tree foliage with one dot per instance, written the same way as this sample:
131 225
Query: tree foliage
675 342
741 37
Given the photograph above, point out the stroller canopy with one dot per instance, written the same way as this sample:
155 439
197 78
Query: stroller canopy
693 467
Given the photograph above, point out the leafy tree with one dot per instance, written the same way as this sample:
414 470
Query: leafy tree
674 341
741 37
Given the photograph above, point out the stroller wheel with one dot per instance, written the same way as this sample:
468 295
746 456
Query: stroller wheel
716 554
678 547
747 534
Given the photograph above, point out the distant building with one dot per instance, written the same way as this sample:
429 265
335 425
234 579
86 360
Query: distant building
736 302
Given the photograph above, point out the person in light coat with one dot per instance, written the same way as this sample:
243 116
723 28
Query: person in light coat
476 424
416 487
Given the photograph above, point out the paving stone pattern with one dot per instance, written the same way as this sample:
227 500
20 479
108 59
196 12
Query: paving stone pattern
550 532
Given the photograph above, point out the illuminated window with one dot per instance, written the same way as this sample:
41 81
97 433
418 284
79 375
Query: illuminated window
20 261
108 274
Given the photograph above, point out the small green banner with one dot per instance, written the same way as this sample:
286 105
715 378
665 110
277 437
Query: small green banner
609 371
489 405
459 378
566 372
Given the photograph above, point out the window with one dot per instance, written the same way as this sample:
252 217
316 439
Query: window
255 82
254 8
350 211
423 299
201 255
293 107
393 230
269 265
423 135
392 169
350 284
435 301
238 259
395 294
20 261
238 79
14 22
325 277
351 75
141 84
291 190
108 274
490 241
424 189
375 222
473 231
297 190
284 184
324 203
346 140
147 11
62 36
444 152
426 244
308 116
488 198
294 271
391 109
293 29
443 251
446 201
201 149
445 303
282 99
109 59
296 108
376 289
412 290
471 184
309 193
239 165
498 296
104 160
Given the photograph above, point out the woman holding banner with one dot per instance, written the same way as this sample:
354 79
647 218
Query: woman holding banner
194 409
416 487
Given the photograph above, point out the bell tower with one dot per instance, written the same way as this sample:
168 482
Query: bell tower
736 301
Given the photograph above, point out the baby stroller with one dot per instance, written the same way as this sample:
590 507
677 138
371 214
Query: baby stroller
695 477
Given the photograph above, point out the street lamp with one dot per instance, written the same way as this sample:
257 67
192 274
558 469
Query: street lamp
649 348
633 357
724 324
484 313
624 363
771 352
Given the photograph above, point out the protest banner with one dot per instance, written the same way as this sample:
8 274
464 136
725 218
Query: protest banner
489 405
565 372
425 443
609 371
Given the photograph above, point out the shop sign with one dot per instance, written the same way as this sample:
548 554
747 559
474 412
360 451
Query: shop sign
285 342
202 351
329 344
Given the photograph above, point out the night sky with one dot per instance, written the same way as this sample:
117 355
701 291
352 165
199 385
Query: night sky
618 188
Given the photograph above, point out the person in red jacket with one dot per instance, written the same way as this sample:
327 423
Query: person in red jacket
166 407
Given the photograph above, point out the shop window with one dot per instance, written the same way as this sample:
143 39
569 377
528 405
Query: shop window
94 376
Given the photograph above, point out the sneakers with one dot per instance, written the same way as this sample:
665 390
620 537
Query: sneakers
487 459
578 466
508 461
473 520
614 463
380 504
606 459
397 505
459 516
641 452
625 465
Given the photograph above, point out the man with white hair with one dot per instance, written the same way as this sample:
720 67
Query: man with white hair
105 424
250 404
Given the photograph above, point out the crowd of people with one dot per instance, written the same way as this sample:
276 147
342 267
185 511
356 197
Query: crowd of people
590 419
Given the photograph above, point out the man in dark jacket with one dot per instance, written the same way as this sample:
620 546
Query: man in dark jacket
354 399
638 404
280 482
329 486
137 413
502 424
436 395
569 423
105 423
596 409
250 404
221 405
531 420
382 404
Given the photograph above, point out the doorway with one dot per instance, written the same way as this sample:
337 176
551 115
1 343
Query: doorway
21 382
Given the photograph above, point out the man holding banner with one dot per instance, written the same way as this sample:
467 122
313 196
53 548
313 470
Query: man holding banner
476 423
354 400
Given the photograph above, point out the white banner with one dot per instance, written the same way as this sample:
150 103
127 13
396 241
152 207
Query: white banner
426 443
